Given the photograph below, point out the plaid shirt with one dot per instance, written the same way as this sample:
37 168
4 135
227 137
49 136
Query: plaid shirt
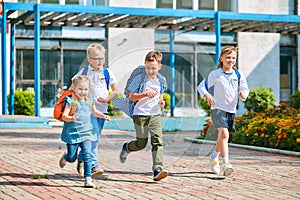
136 84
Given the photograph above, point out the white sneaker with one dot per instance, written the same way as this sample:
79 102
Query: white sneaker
214 165
88 183
227 169
62 161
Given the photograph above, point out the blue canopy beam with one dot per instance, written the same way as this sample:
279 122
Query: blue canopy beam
218 36
37 52
3 55
172 72
12 70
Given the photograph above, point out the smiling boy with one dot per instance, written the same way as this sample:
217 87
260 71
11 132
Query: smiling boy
146 93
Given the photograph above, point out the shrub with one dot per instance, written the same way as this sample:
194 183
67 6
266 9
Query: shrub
260 99
295 100
204 105
23 103
113 110
167 99
276 127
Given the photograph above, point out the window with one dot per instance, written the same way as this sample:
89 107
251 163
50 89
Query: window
226 5
184 4
164 3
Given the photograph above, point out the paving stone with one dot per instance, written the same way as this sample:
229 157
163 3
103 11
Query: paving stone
29 170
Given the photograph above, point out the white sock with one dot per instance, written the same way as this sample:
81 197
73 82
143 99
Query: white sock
215 155
225 160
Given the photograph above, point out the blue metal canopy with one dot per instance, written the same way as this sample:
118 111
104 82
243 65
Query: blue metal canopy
38 15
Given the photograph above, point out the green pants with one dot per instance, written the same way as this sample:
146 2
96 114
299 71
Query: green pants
144 125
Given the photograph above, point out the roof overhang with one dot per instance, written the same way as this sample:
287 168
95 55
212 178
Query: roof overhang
159 18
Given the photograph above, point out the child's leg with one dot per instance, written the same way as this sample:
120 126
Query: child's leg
155 130
222 142
71 154
141 127
98 124
87 158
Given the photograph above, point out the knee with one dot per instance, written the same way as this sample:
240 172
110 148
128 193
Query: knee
70 159
141 143
224 135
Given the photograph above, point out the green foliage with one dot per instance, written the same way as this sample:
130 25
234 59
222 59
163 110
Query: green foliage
23 103
260 99
167 99
204 105
295 100
113 110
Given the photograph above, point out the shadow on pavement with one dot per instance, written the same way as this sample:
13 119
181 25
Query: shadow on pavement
198 175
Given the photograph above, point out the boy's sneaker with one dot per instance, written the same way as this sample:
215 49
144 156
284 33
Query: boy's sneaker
62 161
214 165
96 172
124 153
159 174
227 169
88 183
79 166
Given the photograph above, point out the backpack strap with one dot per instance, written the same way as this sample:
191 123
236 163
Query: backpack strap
107 77
84 71
238 75
105 72
91 102
74 104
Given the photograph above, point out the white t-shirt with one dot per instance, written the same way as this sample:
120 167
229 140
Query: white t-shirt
98 85
149 106
224 88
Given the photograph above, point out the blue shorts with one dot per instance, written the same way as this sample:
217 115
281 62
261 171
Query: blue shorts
223 119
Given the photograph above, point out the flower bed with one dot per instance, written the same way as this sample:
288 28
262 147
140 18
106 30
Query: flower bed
277 127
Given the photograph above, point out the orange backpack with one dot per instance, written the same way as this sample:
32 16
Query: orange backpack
61 102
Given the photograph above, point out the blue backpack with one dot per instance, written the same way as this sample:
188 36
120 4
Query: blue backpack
105 72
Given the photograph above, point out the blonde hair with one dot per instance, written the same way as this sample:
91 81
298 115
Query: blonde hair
154 56
80 78
227 49
92 48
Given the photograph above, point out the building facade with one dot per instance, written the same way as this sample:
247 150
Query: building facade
267 59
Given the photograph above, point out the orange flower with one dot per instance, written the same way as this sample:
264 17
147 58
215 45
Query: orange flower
298 140
294 131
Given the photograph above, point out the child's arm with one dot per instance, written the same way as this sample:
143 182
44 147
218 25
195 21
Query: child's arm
205 94
243 88
138 96
114 94
99 114
66 117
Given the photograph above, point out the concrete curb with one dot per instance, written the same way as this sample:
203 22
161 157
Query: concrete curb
269 150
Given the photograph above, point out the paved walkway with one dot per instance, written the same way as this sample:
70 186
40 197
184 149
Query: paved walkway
29 170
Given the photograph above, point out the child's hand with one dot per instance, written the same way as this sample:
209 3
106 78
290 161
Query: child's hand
74 117
242 95
107 118
210 100
102 100
150 94
162 103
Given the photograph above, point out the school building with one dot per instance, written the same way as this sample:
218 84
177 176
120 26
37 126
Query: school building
188 39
